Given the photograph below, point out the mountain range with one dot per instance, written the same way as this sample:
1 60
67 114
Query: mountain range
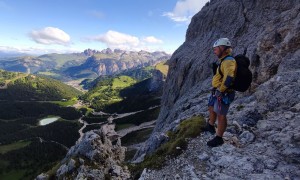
88 64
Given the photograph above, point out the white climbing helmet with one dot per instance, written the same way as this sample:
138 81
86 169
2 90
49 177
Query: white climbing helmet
222 42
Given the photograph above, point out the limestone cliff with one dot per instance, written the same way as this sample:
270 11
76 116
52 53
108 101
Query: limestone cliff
264 141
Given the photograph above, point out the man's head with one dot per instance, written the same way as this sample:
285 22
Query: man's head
220 46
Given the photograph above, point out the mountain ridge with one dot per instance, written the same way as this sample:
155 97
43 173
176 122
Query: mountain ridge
109 63
87 64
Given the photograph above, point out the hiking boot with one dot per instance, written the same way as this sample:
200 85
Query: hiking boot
216 141
209 128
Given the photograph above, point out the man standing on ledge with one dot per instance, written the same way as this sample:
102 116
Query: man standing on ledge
221 95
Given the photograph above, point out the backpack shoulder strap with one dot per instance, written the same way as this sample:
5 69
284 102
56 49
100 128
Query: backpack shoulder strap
228 57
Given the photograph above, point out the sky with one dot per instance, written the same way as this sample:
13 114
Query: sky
66 26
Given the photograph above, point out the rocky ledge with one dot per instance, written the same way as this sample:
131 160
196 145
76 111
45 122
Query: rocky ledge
269 150
94 157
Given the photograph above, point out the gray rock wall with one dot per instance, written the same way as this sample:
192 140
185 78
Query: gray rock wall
269 30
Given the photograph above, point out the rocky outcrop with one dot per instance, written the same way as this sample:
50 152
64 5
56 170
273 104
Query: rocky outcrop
95 157
241 157
265 144
90 52
157 81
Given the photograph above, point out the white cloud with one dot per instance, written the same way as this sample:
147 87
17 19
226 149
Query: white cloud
152 39
116 40
50 35
177 18
185 9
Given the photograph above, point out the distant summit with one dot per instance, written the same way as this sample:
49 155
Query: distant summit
91 52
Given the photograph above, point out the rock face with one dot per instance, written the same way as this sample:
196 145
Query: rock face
263 133
95 157
157 81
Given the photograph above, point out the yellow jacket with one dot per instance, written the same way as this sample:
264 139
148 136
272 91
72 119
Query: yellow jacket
228 69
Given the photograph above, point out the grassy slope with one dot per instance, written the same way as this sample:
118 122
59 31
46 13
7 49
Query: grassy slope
162 67
19 86
107 91
124 92
14 146
61 59
122 82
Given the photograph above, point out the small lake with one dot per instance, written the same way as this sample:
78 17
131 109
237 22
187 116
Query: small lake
49 120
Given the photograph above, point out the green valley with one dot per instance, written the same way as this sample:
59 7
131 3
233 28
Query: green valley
124 92
27 148
107 91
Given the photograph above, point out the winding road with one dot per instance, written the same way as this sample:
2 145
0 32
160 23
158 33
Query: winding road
114 116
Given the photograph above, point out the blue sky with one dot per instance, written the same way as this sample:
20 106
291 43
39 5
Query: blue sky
63 26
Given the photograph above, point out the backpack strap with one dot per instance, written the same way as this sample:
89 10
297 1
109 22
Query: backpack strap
219 68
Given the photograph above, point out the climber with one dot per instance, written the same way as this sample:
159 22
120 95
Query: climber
221 95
